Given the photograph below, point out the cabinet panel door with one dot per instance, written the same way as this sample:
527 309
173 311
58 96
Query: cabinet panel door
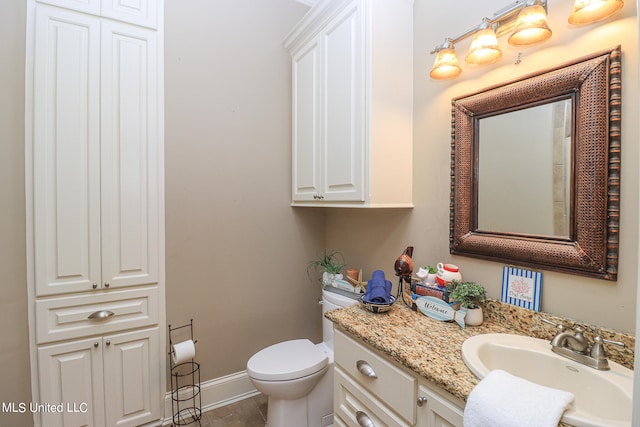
306 136
132 378
343 115
71 375
66 156
130 204
437 411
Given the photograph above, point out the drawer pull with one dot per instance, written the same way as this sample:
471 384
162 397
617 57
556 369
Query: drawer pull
364 420
366 369
101 314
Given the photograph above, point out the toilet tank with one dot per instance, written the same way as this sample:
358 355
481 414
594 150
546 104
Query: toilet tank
333 298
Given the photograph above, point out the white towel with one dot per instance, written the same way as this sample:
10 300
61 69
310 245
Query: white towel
504 400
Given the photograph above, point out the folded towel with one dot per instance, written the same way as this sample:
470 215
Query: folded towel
378 289
504 400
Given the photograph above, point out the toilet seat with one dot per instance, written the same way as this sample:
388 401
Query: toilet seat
287 360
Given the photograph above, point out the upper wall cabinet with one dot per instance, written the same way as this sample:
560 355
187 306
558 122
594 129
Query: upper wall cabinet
139 12
352 78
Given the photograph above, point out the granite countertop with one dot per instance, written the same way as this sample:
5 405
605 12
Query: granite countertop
428 347
432 348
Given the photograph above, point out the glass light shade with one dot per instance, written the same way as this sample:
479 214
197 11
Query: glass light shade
446 65
588 11
531 26
484 48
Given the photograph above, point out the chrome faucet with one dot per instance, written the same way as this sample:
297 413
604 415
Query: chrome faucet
573 345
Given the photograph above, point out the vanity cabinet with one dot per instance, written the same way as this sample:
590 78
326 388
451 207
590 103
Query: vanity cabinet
352 72
94 165
368 387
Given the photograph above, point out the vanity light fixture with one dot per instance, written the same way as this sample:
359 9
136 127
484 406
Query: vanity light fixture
484 46
588 11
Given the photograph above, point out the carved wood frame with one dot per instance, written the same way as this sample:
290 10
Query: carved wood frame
594 84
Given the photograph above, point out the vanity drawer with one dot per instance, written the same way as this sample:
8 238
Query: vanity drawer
389 383
354 406
68 317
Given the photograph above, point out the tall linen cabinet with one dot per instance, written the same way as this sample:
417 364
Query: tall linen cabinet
95 206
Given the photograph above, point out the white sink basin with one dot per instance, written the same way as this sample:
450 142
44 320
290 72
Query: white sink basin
602 398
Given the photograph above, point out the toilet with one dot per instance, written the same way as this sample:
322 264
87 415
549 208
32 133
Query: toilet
297 375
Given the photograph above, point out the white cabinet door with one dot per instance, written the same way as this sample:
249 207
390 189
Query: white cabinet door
66 151
436 411
132 381
342 107
129 141
95 153
328 80
306 150
71 376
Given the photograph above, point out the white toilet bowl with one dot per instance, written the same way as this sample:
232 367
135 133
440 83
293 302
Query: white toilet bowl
297 375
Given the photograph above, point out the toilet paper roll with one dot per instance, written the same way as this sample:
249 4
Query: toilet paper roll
183 351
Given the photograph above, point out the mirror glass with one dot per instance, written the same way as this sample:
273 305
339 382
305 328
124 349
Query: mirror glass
535 169
524 170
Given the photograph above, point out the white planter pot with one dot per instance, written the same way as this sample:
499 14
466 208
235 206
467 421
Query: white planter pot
474 317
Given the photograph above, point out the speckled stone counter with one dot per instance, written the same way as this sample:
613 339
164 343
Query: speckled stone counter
433 349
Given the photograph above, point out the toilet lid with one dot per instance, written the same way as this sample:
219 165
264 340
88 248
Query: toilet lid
287 361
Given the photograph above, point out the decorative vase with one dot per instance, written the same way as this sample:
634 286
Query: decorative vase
329 278
447 273
474 317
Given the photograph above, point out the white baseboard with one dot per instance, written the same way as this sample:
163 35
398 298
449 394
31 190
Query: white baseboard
218 392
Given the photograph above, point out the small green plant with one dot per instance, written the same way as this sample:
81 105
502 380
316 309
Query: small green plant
468 294
331 262
430 269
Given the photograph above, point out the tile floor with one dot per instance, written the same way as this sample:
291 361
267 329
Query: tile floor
251 412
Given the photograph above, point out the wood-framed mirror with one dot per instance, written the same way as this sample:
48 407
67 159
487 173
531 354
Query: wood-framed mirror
511 169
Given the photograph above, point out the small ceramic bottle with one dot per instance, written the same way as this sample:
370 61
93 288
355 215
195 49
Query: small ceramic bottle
447 273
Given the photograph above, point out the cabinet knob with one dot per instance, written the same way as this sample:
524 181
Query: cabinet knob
94 286
422 400
106 284
366 369
96 344
108 343
364 420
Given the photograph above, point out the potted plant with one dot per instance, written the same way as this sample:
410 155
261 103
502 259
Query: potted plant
331 264
470 295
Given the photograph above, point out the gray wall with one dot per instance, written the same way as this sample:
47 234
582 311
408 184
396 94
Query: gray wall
14 331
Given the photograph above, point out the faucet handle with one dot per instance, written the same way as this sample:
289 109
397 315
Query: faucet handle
558 326
618 343
598 350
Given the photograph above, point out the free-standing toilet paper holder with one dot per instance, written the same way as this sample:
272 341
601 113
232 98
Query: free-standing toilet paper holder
186 401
